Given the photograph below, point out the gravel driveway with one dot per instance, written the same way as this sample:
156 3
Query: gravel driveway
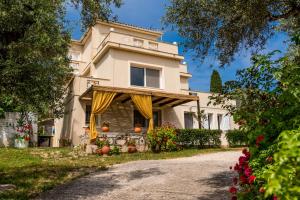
200 177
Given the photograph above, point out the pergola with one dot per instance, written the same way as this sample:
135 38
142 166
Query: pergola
160 99
144 100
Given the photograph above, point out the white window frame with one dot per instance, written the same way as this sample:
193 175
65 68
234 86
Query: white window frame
160 69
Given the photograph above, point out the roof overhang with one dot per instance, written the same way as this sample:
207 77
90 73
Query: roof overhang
159 99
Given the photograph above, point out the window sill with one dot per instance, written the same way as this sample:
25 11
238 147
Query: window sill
145 87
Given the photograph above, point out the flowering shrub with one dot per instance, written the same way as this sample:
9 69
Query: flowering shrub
162 138
24 129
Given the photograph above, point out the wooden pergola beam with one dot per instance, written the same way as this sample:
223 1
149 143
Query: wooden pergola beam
126 100
182 102
168 102
158 100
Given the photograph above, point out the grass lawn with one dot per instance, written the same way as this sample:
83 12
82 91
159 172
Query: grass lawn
34 170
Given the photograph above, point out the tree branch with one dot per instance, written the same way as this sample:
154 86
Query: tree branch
292 12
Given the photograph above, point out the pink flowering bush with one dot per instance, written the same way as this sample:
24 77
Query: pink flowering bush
24 129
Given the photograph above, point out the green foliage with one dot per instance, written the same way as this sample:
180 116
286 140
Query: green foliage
283 177
34 65
215 82
114 151
225 27
236 137
199 137
101 142
269 106
162 138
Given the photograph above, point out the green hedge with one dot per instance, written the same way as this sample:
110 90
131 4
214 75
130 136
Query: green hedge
199 138
236 138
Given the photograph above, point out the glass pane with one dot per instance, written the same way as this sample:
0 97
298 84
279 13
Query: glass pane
188 120
152 78
139 119
137 76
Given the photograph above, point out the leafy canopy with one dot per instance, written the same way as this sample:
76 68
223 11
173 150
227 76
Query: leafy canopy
223 27
215 82
34 65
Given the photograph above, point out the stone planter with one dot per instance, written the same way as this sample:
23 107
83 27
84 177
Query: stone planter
21 143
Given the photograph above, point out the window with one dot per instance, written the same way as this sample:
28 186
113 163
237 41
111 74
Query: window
145 77
210 118
140 119
137 76
152 78
219 117
188 120
88 111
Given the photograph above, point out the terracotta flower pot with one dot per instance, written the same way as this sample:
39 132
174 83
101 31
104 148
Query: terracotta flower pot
105 150
131 149
137 129
99 152
105 128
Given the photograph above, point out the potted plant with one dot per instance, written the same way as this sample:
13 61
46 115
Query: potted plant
105 126
131 146
138 128
103 146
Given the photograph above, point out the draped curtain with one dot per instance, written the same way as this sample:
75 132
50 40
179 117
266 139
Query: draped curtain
101 101
144 105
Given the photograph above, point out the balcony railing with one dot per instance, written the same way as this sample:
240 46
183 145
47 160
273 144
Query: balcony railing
132 41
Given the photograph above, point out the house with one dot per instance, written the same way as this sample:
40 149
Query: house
120 62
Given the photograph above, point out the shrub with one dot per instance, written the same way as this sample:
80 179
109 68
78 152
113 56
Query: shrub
199 138
162 139
236 138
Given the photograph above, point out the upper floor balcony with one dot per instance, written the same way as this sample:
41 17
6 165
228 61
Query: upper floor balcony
125 41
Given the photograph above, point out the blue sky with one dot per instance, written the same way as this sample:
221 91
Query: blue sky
148 14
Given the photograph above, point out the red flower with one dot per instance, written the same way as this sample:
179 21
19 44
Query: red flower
252 179
248 171
235 180
259 139
236 167
245 151
262 190
234 198
242 160
243 179
275 197
27 138
269 159
233 190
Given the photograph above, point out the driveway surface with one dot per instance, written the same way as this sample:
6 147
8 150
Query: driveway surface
201 177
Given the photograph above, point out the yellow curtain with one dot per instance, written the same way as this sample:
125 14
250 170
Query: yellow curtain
144 105
101 101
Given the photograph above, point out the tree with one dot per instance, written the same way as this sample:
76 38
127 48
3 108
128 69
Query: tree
223 27
34 65
215 82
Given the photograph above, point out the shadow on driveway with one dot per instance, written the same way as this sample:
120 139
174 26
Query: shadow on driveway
220 182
